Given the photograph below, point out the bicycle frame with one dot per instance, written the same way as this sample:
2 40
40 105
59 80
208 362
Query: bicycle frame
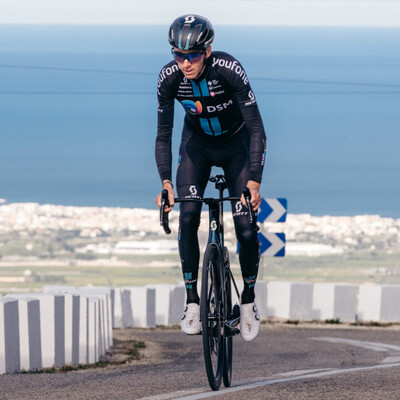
216 212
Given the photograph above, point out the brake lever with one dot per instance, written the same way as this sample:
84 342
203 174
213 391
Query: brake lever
252 214
163 215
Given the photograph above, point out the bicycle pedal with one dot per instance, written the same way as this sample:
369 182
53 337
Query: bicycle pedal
231 330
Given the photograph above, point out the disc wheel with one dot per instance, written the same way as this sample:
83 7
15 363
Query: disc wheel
211 317
227 371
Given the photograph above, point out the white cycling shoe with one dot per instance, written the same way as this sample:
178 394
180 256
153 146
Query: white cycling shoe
190 323
249 321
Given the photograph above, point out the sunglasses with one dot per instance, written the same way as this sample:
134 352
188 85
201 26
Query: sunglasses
191 57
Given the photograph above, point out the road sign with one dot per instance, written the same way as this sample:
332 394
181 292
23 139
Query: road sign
272 244
272 210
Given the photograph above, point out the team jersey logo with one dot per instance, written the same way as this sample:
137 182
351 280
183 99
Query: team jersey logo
191 107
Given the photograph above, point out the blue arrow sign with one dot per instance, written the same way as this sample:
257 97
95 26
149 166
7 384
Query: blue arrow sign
272 244
272 210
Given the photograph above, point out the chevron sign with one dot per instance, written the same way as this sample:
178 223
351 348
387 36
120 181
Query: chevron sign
272 210
272 244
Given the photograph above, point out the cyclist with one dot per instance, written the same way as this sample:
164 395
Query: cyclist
222 127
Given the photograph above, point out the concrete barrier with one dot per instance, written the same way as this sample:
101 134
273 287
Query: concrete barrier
88 330
82 336
93 338
29 334
71 319
140 306
290 300
76 323
170 301
9 336
380 303
71 324
116 308
105 320
52 327
96 332
334 301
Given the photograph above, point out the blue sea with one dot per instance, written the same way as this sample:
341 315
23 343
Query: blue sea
78 114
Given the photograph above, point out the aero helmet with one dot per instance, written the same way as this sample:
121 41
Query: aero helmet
191 32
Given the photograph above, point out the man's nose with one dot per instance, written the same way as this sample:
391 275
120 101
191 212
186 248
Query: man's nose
186 63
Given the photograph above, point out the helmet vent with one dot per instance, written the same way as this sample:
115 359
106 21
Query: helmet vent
184 37
196 35
175 33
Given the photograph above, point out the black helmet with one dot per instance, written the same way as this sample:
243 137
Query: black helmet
190 32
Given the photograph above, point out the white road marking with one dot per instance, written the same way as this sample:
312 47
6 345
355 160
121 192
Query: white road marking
391 359
375 346
174 395
304 372
268 382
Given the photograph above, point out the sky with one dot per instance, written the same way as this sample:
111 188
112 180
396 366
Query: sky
222 12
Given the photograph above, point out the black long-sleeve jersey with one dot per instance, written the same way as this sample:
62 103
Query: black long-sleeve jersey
217 105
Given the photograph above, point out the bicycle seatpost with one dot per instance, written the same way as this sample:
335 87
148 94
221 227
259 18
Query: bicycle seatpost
163 215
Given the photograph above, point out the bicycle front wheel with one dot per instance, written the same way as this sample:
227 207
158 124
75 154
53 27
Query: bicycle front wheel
227 372
211 316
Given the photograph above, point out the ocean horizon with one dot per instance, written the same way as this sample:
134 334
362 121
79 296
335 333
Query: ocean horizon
78 114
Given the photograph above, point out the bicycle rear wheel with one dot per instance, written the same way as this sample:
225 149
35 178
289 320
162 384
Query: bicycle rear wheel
227 371
211 316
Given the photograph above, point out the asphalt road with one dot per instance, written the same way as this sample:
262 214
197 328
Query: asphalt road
284 362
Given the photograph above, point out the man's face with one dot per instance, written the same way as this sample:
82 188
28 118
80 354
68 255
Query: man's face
192 69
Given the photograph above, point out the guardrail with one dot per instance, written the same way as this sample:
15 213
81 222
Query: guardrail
65 325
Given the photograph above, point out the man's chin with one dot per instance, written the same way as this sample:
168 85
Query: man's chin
190 75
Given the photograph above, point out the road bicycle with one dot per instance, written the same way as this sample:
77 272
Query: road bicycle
219 316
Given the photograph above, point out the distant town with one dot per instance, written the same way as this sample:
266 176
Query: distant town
30 231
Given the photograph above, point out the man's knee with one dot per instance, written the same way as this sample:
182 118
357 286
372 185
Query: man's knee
246 235
189 219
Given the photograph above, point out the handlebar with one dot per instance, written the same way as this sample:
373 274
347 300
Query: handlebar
163 215
164 222
252 214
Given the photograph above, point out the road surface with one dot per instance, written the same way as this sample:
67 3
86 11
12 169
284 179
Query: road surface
284 362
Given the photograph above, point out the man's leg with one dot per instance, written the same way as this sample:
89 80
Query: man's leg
236 172
192 176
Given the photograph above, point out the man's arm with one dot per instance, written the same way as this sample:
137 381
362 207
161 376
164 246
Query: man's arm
165 120
258 141
163 150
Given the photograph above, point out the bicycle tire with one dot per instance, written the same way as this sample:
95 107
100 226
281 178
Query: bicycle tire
228 342
211 318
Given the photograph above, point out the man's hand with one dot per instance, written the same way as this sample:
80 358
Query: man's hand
171 195
255 194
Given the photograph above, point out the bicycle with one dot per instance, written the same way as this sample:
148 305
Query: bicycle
219 317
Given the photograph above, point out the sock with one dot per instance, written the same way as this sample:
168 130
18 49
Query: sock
191 288
248 294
